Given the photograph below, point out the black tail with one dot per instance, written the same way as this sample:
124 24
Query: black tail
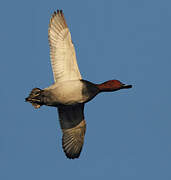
35 98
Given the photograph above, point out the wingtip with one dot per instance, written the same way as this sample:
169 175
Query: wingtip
72 155
70 150
59 11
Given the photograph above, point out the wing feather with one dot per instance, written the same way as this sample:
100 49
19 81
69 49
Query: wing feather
73 127
62 51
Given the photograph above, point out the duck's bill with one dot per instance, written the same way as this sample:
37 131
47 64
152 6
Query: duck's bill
126 86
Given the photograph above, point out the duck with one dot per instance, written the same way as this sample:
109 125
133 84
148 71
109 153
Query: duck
70 91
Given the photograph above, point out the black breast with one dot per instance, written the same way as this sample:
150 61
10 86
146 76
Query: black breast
89 89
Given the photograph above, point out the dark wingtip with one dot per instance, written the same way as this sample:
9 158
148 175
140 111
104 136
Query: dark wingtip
59 11
72 156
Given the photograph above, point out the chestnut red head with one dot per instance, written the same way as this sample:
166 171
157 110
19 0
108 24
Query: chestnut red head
112 85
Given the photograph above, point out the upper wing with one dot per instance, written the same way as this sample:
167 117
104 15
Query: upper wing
73 127
62 52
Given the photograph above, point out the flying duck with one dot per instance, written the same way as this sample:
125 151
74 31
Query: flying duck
69 92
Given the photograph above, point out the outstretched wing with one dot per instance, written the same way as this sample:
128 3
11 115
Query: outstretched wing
62 52
73 127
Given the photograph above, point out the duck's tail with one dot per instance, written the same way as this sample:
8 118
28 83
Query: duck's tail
35 98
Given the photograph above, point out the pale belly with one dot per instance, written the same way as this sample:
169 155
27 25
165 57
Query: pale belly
68 93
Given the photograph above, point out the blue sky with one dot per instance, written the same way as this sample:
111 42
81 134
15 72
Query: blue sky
128 132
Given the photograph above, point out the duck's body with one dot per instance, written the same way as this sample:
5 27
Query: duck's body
69 92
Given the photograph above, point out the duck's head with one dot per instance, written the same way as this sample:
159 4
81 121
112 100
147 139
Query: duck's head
113 85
